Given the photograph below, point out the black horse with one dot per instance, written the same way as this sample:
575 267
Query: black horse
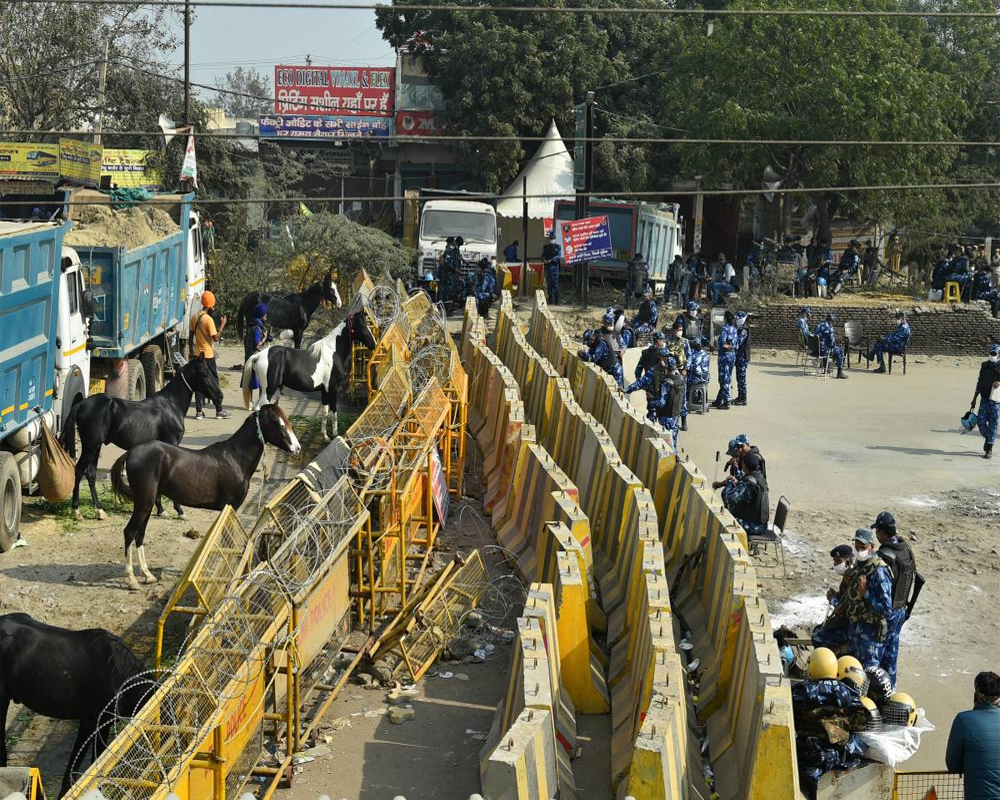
321 368
291 311
212 478
70 675
105 420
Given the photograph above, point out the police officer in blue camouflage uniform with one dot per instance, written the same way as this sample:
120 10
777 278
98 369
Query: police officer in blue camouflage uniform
746 496
680 349
849 264
604 349
699 373
664 387
868 601
551 253
692 325
828 347
742 357
727 360
960 268
802 323
650 356
982 287
906 586
486 288
647 316
894 342
989 409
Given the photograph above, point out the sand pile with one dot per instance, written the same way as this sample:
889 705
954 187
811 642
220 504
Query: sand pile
99 226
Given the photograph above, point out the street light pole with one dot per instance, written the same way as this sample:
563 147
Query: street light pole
187 62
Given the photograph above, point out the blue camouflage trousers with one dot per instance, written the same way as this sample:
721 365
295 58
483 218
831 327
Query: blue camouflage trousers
618 373
837 354
552 284
671 424
890 647
832 636
753 528
882 347
989 411
862 639
741 375
726 363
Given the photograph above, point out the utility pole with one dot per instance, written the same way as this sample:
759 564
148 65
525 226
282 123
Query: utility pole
588 187
523 283
102 86
187 63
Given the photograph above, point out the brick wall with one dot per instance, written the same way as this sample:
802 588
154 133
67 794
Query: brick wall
937 328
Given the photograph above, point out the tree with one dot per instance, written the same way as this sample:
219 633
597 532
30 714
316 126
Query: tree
509 74
822 78
52 83
245 93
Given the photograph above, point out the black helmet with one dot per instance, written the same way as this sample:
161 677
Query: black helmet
879 685
459 241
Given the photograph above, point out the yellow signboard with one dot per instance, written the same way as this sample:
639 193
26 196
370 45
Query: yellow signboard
80 162
29 160
134 169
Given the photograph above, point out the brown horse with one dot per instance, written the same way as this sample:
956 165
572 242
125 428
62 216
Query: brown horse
212 478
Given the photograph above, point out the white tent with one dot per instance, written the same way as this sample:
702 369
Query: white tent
550 178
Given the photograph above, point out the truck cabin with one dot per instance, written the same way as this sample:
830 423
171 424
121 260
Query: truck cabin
475 222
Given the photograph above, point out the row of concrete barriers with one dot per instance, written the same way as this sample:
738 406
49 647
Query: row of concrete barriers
588 496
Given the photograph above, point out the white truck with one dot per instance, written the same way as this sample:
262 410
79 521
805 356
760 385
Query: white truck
474 221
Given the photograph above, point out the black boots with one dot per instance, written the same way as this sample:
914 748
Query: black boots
720 405
684 423
881 368
840 374
987 451
741 400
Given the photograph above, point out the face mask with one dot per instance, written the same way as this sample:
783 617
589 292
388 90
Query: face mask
679 333
840 568
739 323
901 322
994 359
692 314
862 555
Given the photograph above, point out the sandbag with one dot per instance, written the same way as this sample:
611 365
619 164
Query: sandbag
56 474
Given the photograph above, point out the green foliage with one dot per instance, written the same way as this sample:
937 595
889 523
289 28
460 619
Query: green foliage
302 251
247 93
511 74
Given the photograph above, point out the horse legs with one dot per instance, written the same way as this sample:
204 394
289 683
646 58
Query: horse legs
177 507
135 531
297 338
4 704
84 733
148 577
129 573
87 466
179 510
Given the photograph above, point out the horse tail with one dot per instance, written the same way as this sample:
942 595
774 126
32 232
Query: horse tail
248 369
67 437
119 485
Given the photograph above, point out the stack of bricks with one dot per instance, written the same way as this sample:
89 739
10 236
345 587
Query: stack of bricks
937 328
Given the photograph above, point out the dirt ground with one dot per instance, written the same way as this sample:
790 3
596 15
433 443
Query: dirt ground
841 451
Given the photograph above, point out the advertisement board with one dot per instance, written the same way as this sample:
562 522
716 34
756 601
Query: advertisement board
417 123
289 126
80 162
133 169
586 239
29 160
333 90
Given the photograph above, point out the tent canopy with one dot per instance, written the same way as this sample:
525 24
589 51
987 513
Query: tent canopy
550 178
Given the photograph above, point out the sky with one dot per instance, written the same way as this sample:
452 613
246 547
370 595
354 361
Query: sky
224 38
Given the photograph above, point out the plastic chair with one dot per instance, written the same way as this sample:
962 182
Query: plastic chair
775 532
903 354
819 364
698 398
854 340
952 292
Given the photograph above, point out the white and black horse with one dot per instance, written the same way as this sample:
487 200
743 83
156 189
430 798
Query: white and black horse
321 368
72 675
214 477
291 311
102 420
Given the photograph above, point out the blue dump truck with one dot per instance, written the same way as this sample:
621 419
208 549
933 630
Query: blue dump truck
80 312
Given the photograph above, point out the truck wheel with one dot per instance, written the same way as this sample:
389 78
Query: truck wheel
136 380
152 365
10 501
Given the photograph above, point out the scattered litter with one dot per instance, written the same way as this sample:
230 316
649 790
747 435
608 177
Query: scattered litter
461 676
446 674
480 654
372 713
303 759
21 542
686 646
508 636
693 665
313 752
397 715
479 736
489 648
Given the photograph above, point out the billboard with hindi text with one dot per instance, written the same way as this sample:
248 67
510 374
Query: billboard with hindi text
362 91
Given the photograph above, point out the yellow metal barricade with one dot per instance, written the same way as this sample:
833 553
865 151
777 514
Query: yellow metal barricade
928 786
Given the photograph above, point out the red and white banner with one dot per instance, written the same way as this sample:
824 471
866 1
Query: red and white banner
417 123
333 90
586 239
547 225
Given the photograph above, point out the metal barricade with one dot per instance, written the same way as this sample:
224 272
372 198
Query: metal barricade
928 786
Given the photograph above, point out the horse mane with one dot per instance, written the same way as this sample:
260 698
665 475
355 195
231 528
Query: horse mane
328 342
123 664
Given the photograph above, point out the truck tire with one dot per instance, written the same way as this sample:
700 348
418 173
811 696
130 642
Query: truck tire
152 365
10 501
136 380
